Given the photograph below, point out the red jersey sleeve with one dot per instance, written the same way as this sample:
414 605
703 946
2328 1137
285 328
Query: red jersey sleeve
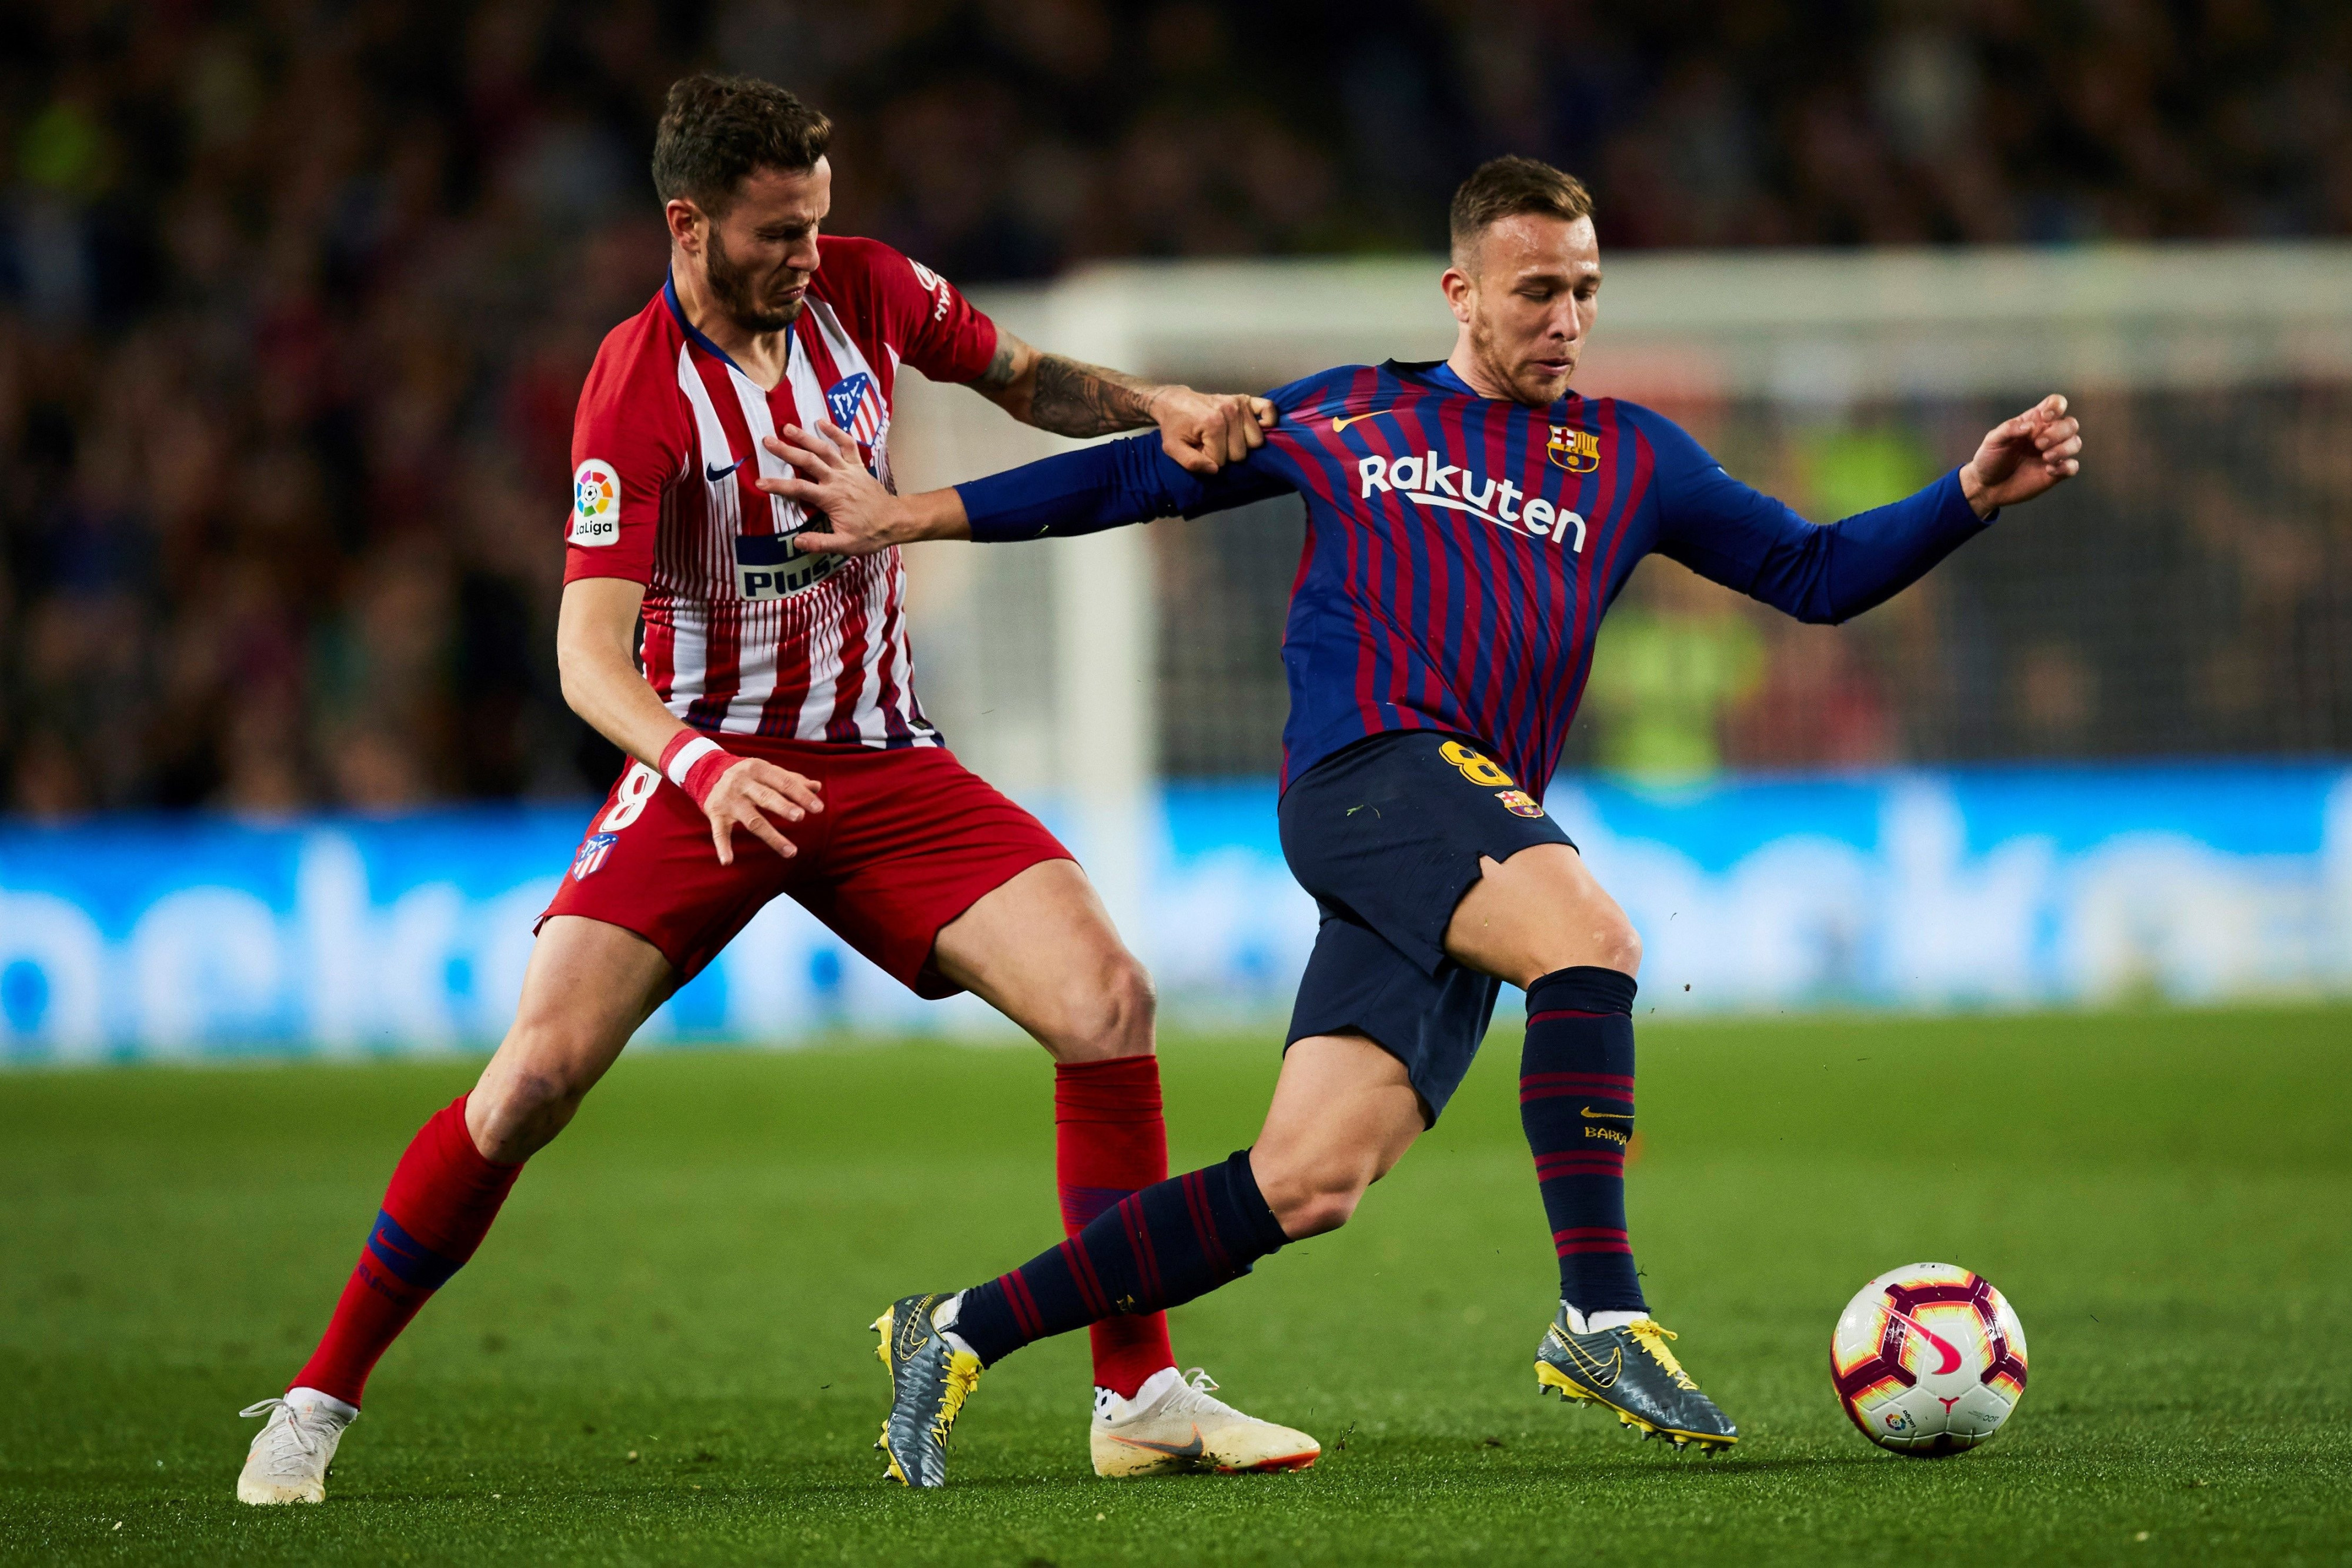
922 315
629 444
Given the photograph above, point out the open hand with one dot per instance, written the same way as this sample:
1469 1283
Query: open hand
1203 431
2023 458
749 795
850 513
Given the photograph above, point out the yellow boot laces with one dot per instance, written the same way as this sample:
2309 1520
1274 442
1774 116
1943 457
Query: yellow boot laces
1653 1337
962 1377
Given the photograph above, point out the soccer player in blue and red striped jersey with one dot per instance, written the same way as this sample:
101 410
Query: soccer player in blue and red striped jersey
1468 524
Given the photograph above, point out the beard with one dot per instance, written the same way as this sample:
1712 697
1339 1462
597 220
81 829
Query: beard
731 290
1526 383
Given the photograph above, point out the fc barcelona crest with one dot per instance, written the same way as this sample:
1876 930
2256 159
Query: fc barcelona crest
1518 803
1577 451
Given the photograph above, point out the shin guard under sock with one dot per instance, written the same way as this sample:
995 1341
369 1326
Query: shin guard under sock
1576 1102
1109 1143
442 1198
1159 1249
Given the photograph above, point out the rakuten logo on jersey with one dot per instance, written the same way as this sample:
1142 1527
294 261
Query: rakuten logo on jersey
1426 482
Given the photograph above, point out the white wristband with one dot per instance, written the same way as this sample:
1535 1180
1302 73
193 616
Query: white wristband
683 761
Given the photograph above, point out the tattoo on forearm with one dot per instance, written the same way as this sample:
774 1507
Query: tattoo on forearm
1074 399
999 374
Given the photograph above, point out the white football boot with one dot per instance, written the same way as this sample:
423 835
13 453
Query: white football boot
1173 1425
289 1459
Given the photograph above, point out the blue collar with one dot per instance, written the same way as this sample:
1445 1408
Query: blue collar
1445 376
1438 374
700 339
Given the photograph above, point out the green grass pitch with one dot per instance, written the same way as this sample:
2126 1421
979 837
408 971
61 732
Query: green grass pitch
661 1356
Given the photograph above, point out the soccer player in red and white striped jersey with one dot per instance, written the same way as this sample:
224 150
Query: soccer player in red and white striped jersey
771 694
743 634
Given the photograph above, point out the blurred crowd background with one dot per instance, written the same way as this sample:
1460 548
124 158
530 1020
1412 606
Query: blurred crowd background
296 298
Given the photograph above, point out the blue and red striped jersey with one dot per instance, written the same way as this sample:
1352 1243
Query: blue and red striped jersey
1461 550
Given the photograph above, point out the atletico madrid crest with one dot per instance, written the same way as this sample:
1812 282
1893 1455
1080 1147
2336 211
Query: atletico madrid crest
592 854
856 407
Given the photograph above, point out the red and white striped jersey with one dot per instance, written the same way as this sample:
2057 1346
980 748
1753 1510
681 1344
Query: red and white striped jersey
743 634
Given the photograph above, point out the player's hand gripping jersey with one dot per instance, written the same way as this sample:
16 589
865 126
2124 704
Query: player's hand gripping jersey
1461 550
743 633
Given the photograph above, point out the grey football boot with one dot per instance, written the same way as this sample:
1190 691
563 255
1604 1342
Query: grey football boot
1629 1371
929 1380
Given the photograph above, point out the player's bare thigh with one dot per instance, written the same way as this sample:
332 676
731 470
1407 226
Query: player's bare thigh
1041 950
588 987
1540 910
1344 1112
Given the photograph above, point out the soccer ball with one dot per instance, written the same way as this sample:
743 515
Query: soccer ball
1929 1359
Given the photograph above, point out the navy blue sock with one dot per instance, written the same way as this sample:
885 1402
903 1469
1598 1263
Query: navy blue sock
1153 1249
1576 1102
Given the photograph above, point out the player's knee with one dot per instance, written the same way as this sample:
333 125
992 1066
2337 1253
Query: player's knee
526 1099
1319 1214
1619 945
1598 935
1317 1197
537 1093
515 1113
1107 1013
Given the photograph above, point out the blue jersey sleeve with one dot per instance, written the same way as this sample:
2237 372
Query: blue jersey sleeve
1744 539
1104 486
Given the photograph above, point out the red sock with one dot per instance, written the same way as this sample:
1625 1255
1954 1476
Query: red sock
443 1197
1108 1142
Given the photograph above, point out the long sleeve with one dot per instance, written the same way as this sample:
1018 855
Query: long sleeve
1107 486
1744 539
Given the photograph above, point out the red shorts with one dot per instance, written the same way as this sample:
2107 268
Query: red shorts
908 839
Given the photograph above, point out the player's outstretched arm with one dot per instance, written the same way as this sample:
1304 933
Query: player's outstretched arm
2024 457
831 482
594 631
1082 492
1747 542
1202 432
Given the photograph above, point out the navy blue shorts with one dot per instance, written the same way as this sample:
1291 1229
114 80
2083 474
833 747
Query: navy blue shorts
1386 835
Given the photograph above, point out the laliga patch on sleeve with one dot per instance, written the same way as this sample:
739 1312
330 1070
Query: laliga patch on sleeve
595 504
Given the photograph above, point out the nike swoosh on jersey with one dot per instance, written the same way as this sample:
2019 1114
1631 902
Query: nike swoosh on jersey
1340 424
1192 1451
712 472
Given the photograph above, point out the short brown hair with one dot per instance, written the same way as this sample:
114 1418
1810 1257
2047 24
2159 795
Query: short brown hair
716 130
1506 187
